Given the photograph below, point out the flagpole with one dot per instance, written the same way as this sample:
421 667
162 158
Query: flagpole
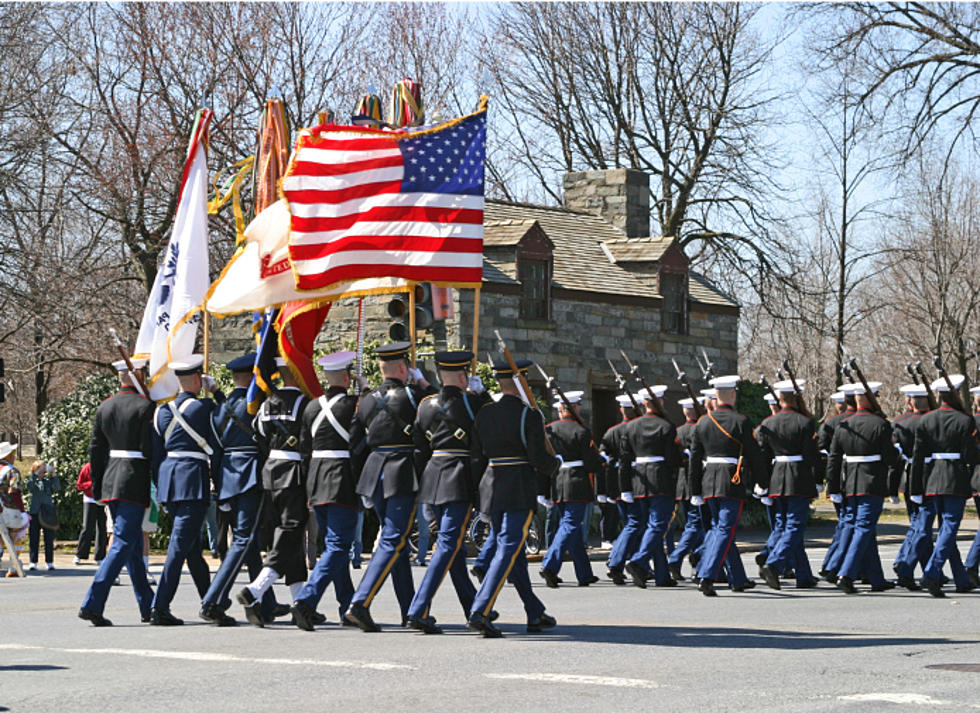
411 320
207 339
476 328
360 337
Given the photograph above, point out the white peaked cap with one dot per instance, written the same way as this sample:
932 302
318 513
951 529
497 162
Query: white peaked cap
955 379
725 382
194 361
624 400
913 390
658 390
786 387
120 365
837 397
337 361
770 399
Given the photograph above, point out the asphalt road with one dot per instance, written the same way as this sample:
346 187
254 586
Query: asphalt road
615 648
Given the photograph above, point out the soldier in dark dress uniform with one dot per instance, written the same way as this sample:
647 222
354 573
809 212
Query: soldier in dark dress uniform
571 492
832 559
652 457
611 445
789 443
509 437
726 465
326 442
607 479
861 453
119 452
388 480
183 445
278 427
972 561
694 517
443 434
949 437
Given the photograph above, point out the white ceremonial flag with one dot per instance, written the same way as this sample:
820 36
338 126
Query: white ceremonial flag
173 311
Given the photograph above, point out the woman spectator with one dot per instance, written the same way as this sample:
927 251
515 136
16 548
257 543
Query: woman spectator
41 487
93 520
12 504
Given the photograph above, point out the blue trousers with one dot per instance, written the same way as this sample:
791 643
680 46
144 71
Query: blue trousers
917 546
188 517
791 515
693 534
659 509
973 556
357 548
720 549
552 517
453 519
243 550
862 550
569 537
396 515
949 508
126 549
423 527
337 524
509 564
774 533
834 558
485 556
629 538
587 523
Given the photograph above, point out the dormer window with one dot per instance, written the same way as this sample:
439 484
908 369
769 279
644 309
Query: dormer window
534 274
673 312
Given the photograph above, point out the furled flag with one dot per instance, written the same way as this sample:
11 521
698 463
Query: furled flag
169 328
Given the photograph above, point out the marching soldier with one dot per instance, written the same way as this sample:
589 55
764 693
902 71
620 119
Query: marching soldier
789 443
652 457
612 449
949 437
278 427
972 561
443 434
571 491
695 517
509 436
844 407
725 462
388 480
633 514
861 452
119 452
183 445
327 443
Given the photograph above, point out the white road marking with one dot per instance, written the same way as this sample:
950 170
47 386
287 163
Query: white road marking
918 699
215 657
576 678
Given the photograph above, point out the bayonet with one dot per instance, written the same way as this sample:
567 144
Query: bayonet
682 378
621 383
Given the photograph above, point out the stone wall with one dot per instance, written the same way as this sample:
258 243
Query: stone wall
621 196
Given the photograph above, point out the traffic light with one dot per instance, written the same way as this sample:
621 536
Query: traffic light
432 304
398 310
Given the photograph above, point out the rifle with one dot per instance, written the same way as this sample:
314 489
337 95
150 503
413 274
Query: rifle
553 385
911 371
765 382
875 406
708 370
523 382
133 374
621 383
682 378
657 403
954 393
796 387
847 372
933 401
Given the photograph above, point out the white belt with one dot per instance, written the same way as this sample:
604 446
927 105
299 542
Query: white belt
649 459
721 459
331 454
945 456
197 455
788 459
131 455
573 464
284 455
862 459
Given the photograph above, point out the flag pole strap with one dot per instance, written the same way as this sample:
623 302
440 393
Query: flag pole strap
476 328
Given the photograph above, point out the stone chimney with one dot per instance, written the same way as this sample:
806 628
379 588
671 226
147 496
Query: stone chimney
620 195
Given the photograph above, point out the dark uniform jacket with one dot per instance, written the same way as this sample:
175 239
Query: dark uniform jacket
573 443
863 435
611 445
944 432
825 434
122 423
975 481
331 478
790 433
650 436
443 436
903 436
510 430
184 477
278 425
235 463
685 432
714 480
385 419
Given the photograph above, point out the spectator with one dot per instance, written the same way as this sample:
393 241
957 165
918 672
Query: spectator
12 504
41 487
93 520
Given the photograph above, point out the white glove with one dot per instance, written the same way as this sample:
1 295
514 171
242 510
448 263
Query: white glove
626 497
604 457
893 499
483 517
697 501
917 499
544 501
209 383
428 512
819 488
415 375
767 501
475 384
367 502
836 498
561 461
758 491
602 498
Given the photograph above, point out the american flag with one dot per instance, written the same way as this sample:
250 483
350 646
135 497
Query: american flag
405 204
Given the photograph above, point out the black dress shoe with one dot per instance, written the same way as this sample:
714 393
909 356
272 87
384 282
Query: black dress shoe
252 607
884 586
145 618
846 585
213 613
675 572
617 577
669 582
909 583
319 618
425 624
707 587
809 584
966 589
478 622
771 576
494 615
933 587
745 586
478 573
95 618
788 574
974 575
829 576
280 610
543 622
591 580
303 615
164 618
549 577
760 558
638 574
358 614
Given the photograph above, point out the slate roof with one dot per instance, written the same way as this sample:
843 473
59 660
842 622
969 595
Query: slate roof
586 248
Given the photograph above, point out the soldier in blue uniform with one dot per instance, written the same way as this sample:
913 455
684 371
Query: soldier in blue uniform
388 480
845 407
326 442
972 561
633 512
611 449
120 451
183 445
509 448
695 517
